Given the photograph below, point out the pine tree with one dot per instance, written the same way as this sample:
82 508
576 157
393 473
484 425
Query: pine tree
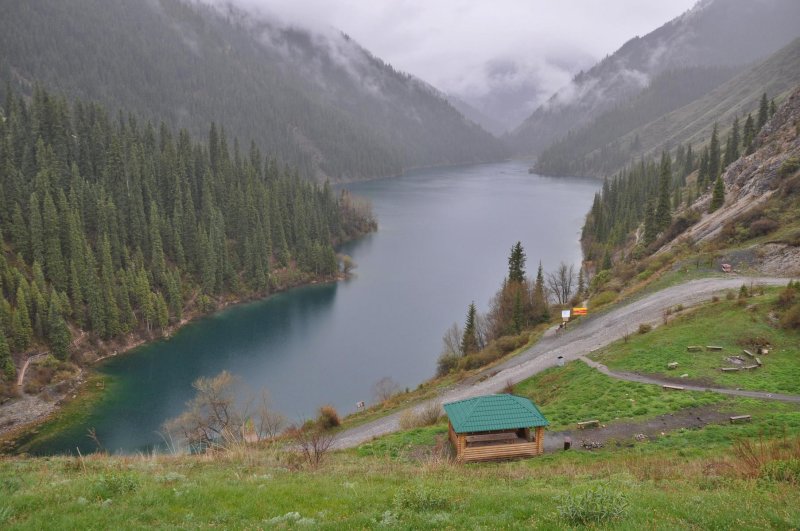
516 264
57 332
469 341
748 134
718 196
541 310
713 156
7 367
650 223
763 112
772 108
663 212
732 147
702 174
21 328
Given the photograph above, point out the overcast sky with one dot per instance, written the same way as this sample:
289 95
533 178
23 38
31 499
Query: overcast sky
466 46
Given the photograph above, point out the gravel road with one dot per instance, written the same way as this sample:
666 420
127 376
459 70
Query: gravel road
580 339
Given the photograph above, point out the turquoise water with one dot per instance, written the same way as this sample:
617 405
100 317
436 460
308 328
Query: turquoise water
443 242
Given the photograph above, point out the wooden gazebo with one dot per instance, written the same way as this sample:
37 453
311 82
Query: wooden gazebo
493 427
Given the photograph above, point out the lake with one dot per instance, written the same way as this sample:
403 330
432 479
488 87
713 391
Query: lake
443 241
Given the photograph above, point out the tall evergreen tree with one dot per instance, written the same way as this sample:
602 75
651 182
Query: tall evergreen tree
714 155
718 195
748 134
516 263
663 212
469 341
7 368
763 112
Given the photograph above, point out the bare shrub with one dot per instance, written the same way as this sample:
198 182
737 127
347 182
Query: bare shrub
645 328
210 418
328 417
509 387
384 389
313 444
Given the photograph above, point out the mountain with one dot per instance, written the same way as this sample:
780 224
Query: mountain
654 120
713 33
315 100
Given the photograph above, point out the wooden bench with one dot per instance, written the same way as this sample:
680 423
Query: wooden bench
694 348
729 369
713 347
672 387
740 418
594 423
750 354
492 437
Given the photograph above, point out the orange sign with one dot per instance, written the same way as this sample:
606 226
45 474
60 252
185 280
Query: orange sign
579 311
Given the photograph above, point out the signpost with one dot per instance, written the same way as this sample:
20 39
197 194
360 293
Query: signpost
579 311
565 315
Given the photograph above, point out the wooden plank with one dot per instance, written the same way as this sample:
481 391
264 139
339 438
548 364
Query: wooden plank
588 424
748 353
673 387
740 418
694 348
713 347
500 451
488 437
729 369
758 361
750 367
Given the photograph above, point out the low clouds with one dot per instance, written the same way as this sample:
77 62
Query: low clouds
477 50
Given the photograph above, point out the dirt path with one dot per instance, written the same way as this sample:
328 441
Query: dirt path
634 377
579 340
23 370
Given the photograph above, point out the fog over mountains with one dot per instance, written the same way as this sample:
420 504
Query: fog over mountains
713 33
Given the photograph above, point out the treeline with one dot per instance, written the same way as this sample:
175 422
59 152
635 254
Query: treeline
112 226
595 149
651 192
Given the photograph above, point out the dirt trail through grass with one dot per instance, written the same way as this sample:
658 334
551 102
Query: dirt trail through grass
634 377
580 339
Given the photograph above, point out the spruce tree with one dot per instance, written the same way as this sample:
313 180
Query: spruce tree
7 367
650 223
748 134
713 155
541 309
718 196
763 112
516 264
57 332
663 212
469 341
772 108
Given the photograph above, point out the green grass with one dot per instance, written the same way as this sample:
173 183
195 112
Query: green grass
727 324
573 393
253 489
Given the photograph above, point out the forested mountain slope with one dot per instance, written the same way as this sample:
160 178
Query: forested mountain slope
110 227
607 143
713 33
318 102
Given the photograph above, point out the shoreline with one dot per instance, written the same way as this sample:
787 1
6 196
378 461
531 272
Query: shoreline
46 411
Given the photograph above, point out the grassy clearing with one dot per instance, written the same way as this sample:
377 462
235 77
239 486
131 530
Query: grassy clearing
576 392
726 323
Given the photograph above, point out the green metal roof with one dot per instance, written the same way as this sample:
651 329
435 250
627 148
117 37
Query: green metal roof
493 412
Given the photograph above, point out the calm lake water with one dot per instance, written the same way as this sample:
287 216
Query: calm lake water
443 242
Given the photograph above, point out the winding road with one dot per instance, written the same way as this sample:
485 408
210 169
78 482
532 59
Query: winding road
584 337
